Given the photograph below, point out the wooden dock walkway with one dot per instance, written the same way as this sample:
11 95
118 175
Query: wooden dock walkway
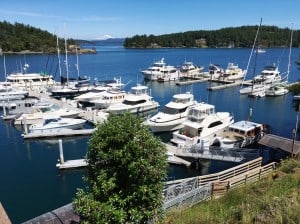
277 142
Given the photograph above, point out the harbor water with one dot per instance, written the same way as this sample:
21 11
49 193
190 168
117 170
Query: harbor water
31 183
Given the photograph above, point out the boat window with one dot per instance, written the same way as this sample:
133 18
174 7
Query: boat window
199 131
214 124
182 110
133 102
169 110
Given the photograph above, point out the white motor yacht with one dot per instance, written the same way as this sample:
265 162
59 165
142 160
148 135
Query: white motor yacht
215 71
255 87
30 80
277 90
97 91
202 124
108 98
56 124
138 100
233 72
270 74
172 116
160 71
7 92
189 70
38 115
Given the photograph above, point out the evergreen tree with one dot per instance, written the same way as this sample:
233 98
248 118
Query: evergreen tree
126 168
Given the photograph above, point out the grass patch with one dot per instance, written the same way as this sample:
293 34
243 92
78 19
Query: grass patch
275 199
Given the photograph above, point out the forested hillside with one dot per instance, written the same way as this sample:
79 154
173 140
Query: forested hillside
19 37
269 36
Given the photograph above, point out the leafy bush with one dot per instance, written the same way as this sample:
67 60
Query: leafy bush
126 168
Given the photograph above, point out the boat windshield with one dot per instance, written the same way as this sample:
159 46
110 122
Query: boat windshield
197 115
178 100
50 120
168 110
127 102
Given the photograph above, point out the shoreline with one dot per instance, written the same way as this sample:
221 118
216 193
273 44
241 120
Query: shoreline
81 51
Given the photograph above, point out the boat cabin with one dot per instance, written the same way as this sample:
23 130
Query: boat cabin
246 128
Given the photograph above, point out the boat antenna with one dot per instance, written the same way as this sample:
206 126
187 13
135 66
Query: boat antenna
253 46
289 63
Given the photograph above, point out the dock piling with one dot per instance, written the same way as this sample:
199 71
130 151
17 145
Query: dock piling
4 110
25 126
61 152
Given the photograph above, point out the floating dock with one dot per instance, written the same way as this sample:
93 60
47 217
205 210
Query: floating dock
228 84
61 133
191 81
69 164
72 164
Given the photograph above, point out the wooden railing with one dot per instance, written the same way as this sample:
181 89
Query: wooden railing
215 185
223 175
221 187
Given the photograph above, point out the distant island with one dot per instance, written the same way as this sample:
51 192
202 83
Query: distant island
20 38
237 37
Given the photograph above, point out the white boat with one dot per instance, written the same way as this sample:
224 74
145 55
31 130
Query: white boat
98 93
280 89
137 100
258 94
7 92
276 90
270 74
261 50
108 98
38 115
215 71
296 97
71 91
30 80
189 70
258 90
239 135
202 124
254 88
95 93
56 124
172 116
161 71
233 72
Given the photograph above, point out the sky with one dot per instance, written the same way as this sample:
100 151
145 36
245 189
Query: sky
98 19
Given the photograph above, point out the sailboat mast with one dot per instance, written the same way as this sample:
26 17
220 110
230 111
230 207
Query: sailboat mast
289 63
4 64
58 55
67 66
77 65
253 46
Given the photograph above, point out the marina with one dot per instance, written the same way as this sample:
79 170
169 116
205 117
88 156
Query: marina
36 158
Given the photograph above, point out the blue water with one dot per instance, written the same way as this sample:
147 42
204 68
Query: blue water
31 184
